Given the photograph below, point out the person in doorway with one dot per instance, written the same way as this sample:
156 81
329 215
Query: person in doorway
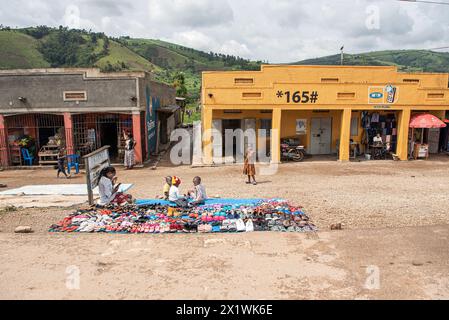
61 163
130 145
377 140
109 189
175 196
249 168
198 194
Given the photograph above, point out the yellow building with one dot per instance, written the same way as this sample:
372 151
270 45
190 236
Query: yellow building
327 107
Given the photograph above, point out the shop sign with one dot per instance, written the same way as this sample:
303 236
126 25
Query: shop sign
382 107
301 126
383 94
152 105
95 162
298 97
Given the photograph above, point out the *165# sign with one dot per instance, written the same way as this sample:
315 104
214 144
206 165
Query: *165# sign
298 97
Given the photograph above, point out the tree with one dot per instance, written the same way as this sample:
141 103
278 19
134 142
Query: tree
180 84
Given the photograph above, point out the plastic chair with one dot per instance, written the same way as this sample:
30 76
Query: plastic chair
73 162
27 158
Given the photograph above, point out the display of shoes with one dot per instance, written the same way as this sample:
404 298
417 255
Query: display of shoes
267 215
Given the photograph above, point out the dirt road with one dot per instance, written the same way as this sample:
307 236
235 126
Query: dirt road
394 246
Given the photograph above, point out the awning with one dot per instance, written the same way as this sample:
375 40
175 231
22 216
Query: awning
168 109
426 121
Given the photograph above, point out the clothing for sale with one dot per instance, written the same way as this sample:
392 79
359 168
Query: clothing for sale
265 215
375 117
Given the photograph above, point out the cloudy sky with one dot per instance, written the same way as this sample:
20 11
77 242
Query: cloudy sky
273 30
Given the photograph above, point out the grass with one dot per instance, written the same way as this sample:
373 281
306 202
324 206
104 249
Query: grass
19 51
118 54
196 116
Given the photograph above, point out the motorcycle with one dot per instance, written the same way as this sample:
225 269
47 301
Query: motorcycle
294 153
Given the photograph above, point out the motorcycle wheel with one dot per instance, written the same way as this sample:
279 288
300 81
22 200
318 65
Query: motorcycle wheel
298 156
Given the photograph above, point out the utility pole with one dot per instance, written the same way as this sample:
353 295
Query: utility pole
342 54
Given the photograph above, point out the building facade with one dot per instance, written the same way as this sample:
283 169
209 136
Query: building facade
80 110
328 108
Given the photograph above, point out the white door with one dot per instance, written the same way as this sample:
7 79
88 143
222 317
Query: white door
217 143
321 136
250 139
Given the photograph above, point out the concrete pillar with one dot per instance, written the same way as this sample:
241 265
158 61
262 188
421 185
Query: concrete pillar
137 134
207 136
69 142
4 147
345 134
403 130
276 136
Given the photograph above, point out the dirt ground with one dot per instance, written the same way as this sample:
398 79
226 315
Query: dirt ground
394 244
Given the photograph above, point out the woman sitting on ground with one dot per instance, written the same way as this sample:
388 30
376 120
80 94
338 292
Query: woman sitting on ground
109 190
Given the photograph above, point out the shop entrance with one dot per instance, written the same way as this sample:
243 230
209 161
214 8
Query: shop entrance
109 137
231 124
321 136
92 131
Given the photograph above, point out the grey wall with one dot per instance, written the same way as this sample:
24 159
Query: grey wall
166 93
44 93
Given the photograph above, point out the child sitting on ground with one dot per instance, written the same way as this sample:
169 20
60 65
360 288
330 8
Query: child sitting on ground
198 194
175 196
166 189
109 191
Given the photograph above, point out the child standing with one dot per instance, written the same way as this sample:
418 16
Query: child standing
61 163
130 145
249 168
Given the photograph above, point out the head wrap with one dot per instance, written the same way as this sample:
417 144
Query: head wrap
176 181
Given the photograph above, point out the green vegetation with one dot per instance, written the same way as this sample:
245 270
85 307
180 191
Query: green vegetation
19 51
405 60
42 46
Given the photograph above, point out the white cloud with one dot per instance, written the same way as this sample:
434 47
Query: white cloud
235 48
274 30
190 13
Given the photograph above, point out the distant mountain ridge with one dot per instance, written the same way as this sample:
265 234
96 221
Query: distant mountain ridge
43 47
405 60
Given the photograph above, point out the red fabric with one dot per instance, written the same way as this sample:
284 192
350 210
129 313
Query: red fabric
121 198
426 121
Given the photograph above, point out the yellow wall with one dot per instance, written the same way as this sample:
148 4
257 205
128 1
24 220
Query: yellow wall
289 124
339 88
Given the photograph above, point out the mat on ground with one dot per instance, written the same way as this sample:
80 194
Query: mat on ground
219 215
57 189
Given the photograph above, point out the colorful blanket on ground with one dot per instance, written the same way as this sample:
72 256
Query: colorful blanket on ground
240 202
217 215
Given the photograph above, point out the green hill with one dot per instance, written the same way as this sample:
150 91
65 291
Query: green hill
19 51
405 60
41 46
